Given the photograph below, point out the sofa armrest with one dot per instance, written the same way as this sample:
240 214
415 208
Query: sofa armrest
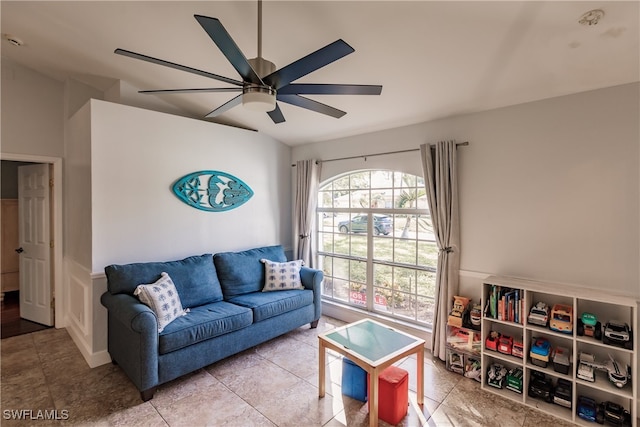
133 338
131 312
312 279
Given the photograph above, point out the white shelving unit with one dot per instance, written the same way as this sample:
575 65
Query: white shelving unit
606 306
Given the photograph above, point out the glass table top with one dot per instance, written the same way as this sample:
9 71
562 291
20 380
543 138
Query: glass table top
371 340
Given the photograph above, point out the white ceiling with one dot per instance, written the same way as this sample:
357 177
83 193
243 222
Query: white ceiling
434 58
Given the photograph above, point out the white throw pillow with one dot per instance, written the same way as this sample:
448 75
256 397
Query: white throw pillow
282 276
162 297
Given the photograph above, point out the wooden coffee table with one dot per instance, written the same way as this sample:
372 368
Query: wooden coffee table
373 346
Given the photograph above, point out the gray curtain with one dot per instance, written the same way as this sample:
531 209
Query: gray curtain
307 180
441 182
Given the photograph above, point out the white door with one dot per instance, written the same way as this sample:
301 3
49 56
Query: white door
35 244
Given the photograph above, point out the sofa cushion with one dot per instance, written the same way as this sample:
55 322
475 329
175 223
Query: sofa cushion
270 304
242 272
281 276
162 297
204 322
195 278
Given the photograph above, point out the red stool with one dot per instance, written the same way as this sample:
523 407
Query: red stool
393 394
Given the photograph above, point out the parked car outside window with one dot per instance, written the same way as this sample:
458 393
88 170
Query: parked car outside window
382 224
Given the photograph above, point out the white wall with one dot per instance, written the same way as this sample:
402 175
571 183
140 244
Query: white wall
138 154
121 162
548 190
32 112
79 291
77 188
32 130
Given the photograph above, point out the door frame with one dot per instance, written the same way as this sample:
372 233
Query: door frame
57 278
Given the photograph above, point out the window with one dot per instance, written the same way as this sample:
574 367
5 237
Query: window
376 245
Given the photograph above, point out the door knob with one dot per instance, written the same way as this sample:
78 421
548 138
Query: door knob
19 250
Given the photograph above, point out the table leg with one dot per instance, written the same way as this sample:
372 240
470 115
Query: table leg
420 373
373 398
321 368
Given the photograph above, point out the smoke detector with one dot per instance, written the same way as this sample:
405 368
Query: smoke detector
13 40
592 17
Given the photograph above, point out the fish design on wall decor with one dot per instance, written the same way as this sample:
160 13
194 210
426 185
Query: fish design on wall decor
212 191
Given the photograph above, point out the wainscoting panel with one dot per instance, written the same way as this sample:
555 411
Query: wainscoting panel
86 319
78 297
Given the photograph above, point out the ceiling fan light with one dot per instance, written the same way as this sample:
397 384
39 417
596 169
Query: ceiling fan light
259 98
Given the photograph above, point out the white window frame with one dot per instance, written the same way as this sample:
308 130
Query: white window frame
370 308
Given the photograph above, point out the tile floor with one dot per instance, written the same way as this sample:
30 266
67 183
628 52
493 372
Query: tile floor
273 384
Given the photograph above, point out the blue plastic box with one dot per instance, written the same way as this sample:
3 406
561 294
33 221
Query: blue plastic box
354 380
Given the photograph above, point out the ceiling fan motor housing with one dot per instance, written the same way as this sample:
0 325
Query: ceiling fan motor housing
261 66
259 97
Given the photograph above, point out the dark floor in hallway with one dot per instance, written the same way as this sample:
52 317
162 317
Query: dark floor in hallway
10 322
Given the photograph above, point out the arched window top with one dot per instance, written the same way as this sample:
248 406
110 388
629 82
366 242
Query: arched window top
373 189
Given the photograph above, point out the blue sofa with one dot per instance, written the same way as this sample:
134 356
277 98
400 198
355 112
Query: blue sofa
228 313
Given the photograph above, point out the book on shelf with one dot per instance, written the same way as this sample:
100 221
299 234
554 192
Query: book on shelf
505 304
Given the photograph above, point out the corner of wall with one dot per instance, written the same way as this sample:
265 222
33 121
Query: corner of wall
113 93
77 94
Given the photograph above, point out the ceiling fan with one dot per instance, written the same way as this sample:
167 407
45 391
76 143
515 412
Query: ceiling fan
261 83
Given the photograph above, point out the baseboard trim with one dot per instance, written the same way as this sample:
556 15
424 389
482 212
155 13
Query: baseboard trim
92 359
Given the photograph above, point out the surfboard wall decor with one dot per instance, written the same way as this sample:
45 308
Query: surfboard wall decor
212 191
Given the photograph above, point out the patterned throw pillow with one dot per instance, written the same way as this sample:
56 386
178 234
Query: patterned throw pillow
162 297
281 276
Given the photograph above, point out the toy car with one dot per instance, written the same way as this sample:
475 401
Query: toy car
458 311
496 375
540 387
589 410
455 363
618 374
459 337
585 367
589 326
561 360
505 344
518 348
514 380
472 368
561 318
615 414
476 314
539 314
562 393
617 333
540 351
491 342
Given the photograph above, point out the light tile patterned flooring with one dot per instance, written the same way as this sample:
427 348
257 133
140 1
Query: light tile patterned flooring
273 384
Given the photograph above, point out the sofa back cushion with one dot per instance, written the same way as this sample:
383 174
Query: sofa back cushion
242 272
195 278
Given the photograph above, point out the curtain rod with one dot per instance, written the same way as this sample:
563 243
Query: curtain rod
459 144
